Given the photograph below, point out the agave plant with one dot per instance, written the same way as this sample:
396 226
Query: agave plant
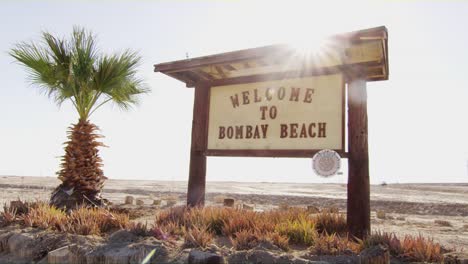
72 70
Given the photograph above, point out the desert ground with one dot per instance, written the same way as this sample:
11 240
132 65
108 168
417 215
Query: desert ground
409 208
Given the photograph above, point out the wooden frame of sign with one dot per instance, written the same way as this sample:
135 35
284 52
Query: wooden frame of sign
230 83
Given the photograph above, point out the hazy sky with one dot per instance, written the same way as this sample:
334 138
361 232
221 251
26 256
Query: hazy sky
418 126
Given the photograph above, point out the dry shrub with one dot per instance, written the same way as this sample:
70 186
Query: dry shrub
8 216
284 207
422 249
21 207
237 224
229 221
212 218
299 231
172 229
82 221
244 239
174 215
388 240
333 244
330 223
443 223
45 216
411 248
160 233
465 227
94 221
331 209
381 214
278 240
139 229
197 237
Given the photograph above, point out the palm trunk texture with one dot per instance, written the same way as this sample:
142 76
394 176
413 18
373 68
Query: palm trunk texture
81 174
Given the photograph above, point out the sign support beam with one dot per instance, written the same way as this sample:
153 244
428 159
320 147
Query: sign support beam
358 206
197 170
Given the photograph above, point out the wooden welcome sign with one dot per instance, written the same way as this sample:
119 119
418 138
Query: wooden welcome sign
274 101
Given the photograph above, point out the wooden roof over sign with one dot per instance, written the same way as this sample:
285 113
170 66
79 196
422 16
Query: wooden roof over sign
362 52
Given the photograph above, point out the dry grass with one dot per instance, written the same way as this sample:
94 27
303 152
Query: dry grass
83 221
323 233
294 225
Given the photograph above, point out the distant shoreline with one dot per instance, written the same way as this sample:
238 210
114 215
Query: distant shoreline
260 182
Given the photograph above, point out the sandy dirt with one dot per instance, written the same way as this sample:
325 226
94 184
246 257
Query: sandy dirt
410 208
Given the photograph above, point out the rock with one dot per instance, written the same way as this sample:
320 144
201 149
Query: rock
297 260
266 245
4 241
248 207
22 245
122 236
78 253
228 202
253 256
323 259
129 252
201 257
43 261
58 256
140 202
171 202
375 255
313 209
46 242
381 214
129 199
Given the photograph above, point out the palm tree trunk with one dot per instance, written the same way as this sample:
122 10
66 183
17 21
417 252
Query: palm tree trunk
81 174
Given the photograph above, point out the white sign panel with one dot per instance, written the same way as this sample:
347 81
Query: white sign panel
292 114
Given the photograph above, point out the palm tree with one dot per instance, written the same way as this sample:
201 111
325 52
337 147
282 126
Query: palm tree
73 70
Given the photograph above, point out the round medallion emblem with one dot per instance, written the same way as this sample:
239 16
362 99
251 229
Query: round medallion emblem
326 163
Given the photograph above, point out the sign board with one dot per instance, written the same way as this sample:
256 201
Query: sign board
291 114
273 101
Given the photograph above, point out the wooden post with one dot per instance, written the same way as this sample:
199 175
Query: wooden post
197 171
358 208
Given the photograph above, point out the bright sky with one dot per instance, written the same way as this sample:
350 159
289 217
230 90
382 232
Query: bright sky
418 129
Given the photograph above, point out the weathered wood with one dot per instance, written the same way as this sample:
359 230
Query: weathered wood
275 153
358 207
261 52
197 171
